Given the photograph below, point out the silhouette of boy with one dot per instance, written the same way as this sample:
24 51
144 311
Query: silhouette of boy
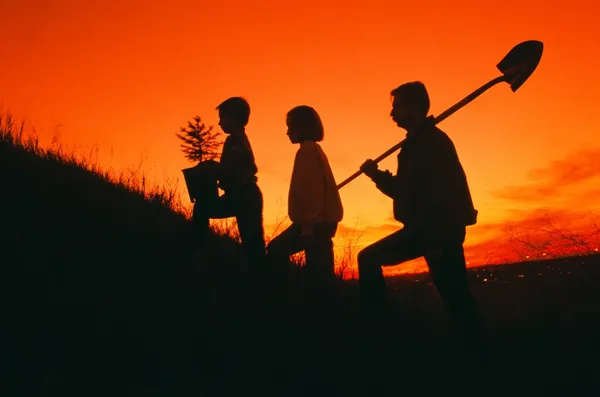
236 174
431 197
314 204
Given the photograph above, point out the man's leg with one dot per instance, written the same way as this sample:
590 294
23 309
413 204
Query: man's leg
392 250
447 267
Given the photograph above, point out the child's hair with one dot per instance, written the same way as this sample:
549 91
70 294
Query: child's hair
236 108
309 122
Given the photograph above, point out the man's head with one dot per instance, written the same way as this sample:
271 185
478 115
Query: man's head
410 104
304 124
234 114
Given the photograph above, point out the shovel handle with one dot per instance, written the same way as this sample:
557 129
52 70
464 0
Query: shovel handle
437 120
377 160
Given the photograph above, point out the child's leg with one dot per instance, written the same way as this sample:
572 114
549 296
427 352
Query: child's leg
250 224
285 244
320 260
206 195
217 208
319 272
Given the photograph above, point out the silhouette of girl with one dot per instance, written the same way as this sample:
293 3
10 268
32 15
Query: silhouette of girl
314 204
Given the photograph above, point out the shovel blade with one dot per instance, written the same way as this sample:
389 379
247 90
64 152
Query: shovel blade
521 62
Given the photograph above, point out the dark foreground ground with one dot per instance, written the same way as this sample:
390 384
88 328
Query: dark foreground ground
189 338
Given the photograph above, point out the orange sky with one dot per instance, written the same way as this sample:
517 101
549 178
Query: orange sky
125 75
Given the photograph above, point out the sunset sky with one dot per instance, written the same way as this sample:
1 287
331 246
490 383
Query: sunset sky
123 76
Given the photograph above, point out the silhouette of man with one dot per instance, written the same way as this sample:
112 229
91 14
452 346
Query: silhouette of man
236 174
431 197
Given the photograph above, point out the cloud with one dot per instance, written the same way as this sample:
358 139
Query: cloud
576 167
556 177
372 230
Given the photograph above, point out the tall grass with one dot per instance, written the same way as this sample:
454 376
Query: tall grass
13 133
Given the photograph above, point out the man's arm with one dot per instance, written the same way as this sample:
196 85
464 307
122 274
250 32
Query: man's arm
386 183
384 180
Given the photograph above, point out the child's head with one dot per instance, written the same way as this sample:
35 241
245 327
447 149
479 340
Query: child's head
234 113
304 124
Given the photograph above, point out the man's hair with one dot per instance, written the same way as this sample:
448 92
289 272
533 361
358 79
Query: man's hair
308 120
236 108
414 92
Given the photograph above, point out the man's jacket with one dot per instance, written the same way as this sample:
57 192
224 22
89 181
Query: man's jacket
430 189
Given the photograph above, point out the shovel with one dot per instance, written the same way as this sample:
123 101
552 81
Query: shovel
516 67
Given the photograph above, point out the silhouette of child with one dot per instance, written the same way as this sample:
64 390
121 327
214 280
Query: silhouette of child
236 174
314 204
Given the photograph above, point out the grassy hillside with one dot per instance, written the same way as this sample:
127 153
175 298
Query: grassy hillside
88 257
104 294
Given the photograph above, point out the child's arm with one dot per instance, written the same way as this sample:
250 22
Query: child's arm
237 163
